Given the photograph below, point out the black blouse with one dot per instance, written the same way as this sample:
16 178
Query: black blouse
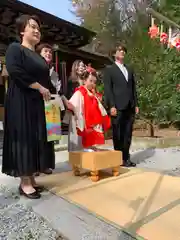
30 67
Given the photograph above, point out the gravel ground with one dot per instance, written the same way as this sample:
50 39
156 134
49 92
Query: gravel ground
166 161
18 221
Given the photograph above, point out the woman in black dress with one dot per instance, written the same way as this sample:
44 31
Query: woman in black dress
76 77
26 150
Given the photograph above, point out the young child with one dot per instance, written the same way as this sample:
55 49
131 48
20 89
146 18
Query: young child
94 89
96 93
90 119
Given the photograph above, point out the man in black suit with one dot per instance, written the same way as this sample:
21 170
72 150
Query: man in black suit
121 99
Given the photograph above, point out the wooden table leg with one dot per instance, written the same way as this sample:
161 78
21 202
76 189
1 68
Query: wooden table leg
95 176
115 171
76 170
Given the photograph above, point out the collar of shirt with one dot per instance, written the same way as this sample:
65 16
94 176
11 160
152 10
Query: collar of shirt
123 69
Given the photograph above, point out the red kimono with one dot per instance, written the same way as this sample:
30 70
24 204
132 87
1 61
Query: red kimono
91 117
97 94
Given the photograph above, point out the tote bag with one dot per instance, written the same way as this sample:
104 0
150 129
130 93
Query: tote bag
53 120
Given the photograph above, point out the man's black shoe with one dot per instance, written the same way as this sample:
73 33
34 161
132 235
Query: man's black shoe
129 164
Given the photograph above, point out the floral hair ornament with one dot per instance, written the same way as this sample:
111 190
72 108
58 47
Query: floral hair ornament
89 69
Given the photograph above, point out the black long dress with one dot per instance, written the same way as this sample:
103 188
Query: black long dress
25 148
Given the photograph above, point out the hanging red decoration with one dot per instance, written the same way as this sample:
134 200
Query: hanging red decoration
178 44
164 38
175 42
153 31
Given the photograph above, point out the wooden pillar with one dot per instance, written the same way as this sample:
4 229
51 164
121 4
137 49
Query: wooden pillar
64 76
56 61
152 21
170 36
161 28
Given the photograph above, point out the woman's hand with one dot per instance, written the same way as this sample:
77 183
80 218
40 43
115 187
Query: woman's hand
45 93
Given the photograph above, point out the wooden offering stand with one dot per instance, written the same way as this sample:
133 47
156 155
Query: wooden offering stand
95 161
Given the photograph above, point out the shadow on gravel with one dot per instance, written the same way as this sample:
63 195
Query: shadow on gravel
143 155
172 172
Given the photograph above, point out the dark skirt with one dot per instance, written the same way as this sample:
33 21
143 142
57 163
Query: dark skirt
25 147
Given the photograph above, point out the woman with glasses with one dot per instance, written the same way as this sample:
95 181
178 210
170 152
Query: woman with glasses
26 150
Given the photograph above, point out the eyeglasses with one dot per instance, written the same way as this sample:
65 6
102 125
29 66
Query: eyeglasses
121 49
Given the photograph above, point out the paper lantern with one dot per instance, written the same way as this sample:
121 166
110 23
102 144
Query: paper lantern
164 38
174 42
153 31
178 44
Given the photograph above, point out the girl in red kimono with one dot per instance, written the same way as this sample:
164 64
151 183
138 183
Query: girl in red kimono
91 119
96 93
94 90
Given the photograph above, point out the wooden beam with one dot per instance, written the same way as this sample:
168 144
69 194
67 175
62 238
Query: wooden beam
84 54
162 18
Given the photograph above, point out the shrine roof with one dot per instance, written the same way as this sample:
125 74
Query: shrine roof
88 56
54 30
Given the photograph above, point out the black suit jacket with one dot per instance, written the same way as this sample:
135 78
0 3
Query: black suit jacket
119 92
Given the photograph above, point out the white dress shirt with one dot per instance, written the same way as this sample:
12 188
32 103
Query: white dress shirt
123 70
55 79
57 84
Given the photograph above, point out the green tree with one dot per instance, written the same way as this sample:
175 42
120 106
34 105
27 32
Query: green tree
156 67
157 75
102 17
170 9
158 97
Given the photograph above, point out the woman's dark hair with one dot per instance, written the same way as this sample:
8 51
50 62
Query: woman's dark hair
74 76
23 20
43 45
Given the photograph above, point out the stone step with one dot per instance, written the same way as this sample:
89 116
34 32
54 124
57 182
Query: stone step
62 144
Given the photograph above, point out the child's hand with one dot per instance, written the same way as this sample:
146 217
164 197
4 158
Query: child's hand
70 106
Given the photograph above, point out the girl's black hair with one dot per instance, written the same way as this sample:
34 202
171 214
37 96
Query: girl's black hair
86 74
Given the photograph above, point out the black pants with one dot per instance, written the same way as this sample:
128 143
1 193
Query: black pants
122 126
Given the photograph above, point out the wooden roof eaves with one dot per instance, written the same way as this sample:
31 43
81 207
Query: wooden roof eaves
21 6
86 54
